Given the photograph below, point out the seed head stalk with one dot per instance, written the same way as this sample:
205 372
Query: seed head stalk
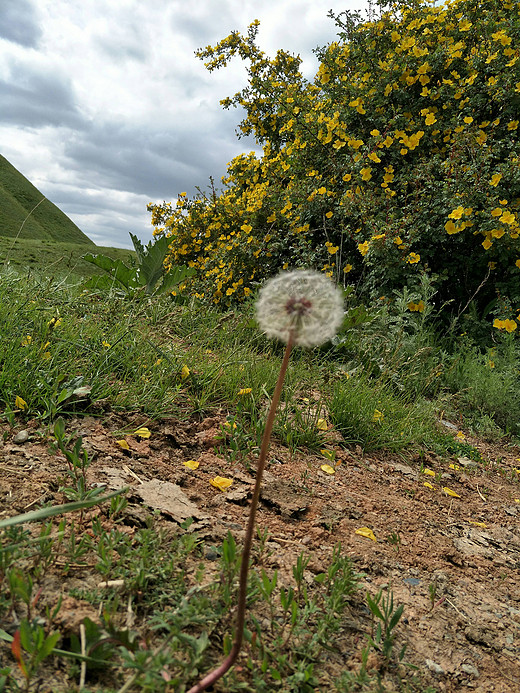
228 662
301 308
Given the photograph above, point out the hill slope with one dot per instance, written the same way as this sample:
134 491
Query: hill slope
18 197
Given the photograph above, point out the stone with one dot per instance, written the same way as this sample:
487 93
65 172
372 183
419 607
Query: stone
21 437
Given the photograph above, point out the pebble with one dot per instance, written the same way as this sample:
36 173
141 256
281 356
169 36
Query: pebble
471 670
434 667
211 554
21 437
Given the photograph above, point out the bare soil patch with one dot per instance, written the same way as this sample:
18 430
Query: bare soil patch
453 561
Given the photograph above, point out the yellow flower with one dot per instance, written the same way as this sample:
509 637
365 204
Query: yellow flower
507 217
430 119
487 244
456 213
366 173
245 391
363 248
413 258
517 263
185 371
495 179
378 416
348 268
26 340
451 228
106 345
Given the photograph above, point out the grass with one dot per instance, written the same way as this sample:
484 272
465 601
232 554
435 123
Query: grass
58 257
382 385
25 213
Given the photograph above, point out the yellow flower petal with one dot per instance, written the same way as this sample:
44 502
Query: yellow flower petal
478 524
185 371
428 472
366 532
327 469
20 403
221 482
123 444
449 492
378 415
191 464
329 455
454 466
428 485
322 425
142 432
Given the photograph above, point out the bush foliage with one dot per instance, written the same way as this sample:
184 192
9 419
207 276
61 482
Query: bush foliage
400 158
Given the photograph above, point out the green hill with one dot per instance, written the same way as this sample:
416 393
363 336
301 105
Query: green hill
19 198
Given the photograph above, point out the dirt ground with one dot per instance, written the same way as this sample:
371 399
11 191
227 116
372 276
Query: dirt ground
452 560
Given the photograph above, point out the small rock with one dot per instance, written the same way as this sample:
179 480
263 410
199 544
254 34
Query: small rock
471 670
211 554
434 667
466 462
412 581
21 437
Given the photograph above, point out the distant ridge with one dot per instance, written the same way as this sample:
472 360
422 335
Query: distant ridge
18 197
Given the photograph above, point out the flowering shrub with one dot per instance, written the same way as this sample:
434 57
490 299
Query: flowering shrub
400 157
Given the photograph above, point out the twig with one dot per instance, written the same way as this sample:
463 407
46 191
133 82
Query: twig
83 669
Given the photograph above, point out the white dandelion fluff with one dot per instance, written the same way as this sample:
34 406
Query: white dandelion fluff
303 303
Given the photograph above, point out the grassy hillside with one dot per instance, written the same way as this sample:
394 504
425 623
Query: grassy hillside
18 199
52 258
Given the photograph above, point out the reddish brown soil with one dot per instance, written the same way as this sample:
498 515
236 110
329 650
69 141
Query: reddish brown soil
453 562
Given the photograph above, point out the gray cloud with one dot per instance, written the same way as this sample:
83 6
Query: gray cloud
32 96
19 22
104 106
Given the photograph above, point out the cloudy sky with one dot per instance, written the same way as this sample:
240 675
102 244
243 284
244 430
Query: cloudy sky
105 108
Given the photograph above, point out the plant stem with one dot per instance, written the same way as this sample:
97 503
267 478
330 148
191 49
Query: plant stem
228 662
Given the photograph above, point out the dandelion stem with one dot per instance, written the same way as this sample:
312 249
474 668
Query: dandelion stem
228 662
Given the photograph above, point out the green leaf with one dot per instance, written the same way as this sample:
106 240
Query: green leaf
151 261
117 270
44 513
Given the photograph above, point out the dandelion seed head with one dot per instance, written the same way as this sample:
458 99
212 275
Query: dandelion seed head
303 303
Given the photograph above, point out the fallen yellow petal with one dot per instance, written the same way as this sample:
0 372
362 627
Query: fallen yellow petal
449 492
191 464
455 467
142 432
123 444
366 532
329 454
327 469
478 524
221 482
428 485
20 403
185 371
322 425
429 472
